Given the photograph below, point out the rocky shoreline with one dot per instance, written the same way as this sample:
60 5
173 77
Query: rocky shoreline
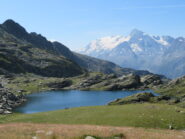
8 101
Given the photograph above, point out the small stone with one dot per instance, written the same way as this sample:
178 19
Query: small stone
89 137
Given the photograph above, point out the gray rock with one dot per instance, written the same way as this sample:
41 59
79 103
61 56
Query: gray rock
125 83
152 80
89 137
7 112
8 101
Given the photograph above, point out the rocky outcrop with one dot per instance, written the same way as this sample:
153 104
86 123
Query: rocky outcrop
150 98
8 101
133 82
92 81
151 80
60 85
113 83
95 80
125 82
137 98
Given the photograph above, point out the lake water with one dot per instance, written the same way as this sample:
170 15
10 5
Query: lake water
55 100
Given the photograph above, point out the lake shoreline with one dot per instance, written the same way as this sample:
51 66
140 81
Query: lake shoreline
79 98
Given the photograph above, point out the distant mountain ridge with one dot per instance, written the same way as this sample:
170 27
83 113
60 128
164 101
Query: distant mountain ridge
158 54
22 52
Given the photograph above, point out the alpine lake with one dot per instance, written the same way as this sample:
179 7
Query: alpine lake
56 100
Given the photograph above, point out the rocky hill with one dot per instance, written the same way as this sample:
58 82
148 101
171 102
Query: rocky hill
17 55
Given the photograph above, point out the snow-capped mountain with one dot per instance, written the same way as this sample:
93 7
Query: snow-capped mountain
158 54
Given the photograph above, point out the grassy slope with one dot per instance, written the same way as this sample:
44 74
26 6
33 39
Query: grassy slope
31 83
178 90
137 115
175 88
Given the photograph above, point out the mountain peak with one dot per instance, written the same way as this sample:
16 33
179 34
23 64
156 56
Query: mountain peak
9 21
11 24
14 28
136 32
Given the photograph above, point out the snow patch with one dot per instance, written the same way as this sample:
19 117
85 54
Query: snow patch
181 40
105 43
161 41
112 42
135 47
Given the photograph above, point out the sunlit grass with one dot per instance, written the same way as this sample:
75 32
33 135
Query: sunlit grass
136 115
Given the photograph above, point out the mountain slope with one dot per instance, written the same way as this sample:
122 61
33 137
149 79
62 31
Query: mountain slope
158 54
20 56
44 48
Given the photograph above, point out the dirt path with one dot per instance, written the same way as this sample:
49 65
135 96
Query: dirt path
59 131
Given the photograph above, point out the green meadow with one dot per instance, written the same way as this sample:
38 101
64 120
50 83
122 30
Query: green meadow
135 115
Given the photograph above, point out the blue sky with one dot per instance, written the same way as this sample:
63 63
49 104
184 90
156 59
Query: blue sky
76 22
